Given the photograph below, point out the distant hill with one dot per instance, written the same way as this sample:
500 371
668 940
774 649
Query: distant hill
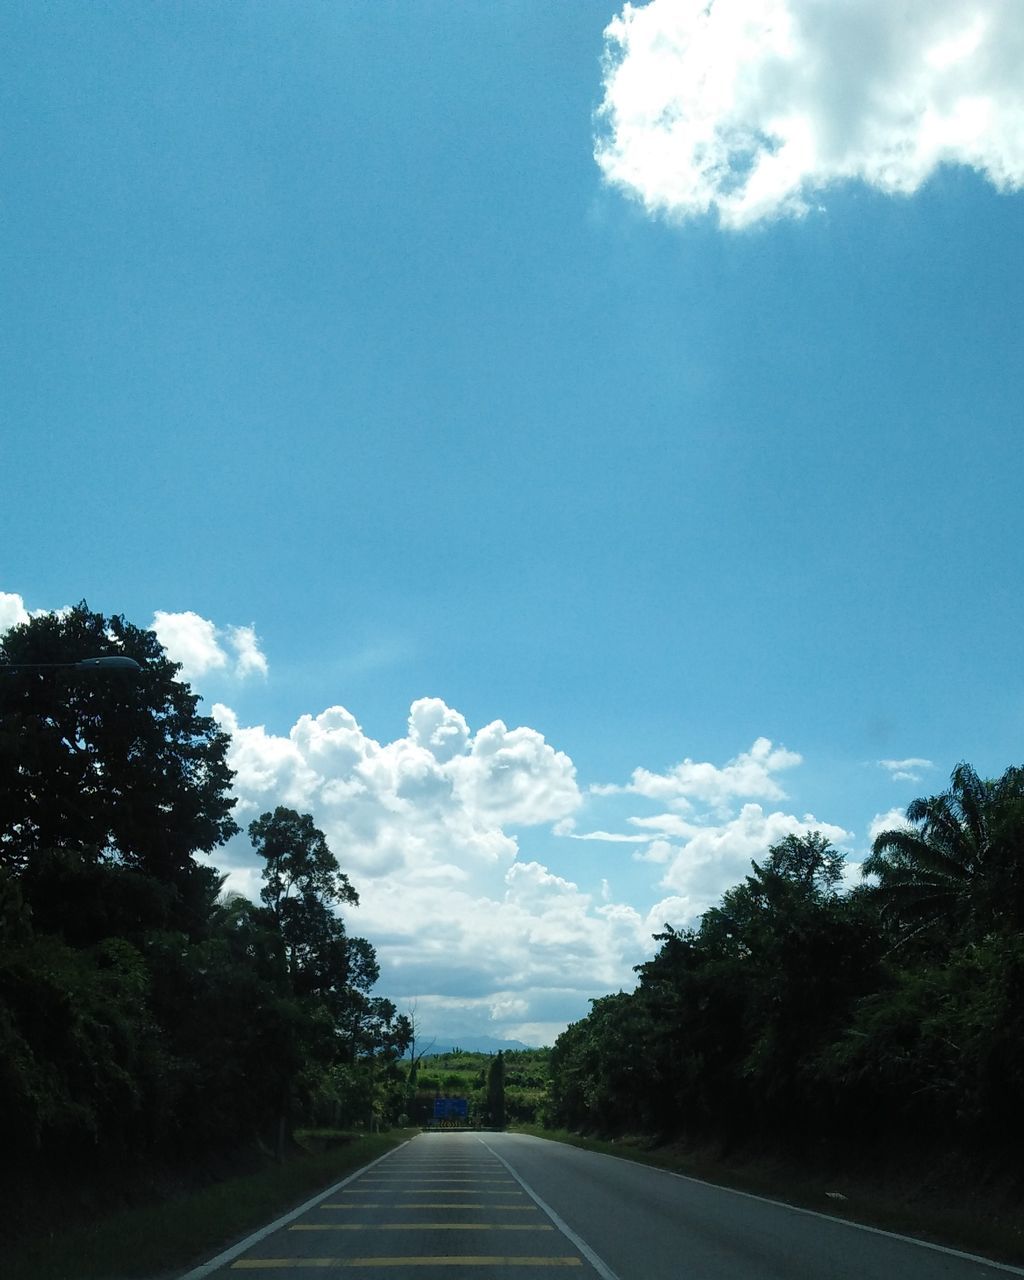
471 1044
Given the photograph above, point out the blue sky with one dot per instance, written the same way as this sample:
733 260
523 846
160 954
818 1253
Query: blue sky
647 382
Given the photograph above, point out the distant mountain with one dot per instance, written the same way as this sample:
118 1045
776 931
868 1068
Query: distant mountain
471 1044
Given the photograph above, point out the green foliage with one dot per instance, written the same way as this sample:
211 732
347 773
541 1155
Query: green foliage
496 1092
117 768
939 1047
797 1011
958 869
303 883
142 1016
464 1075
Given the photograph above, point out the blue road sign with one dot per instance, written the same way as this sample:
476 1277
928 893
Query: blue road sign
451 1109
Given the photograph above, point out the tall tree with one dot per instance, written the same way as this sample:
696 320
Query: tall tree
303 883
103 769
346 1032
496 1092
959 864
415 1056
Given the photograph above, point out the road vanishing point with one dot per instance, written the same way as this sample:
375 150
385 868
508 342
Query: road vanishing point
496 1206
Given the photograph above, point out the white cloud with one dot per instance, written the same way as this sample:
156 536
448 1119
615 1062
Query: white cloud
539 1033
250 660
607 837
507 1008
656 851
478 935
679 912
853 875
12 611
202 647
669 824
717 857
420 823
435 726
892 820
524 942
753 108
515 777
906 770
748 775
704 852
190 640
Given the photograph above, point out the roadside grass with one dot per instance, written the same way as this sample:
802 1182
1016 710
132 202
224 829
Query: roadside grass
163 1240
942 1201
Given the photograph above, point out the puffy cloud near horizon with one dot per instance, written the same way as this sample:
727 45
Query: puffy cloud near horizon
713 856
752 109
702 844
195 642
456 912
438 788
891 820
202 647
12 611
749 775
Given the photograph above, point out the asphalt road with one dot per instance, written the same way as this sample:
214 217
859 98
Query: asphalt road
495 1206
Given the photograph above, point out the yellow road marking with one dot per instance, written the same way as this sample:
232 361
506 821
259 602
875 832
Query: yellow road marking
394 1181
418 1226
432 1191
267 1264
419 1204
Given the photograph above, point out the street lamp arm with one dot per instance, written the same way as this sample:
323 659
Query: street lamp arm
117 663
112 663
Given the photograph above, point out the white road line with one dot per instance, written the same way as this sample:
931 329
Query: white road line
207 1268
793 1208
602 1268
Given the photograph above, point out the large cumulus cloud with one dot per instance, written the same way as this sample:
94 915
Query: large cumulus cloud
753 108
701 860
429 826
713 827
430 803
201 647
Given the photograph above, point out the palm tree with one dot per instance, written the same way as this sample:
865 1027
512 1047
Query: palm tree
960 860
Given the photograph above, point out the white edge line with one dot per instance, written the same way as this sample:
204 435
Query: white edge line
602 1268
793 1208
206 1268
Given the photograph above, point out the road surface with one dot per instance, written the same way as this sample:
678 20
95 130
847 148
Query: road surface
493 1206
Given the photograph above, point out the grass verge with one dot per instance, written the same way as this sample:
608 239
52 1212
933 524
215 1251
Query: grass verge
943 1201
166 1239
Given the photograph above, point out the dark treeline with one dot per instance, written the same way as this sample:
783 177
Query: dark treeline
144 1017
796 1013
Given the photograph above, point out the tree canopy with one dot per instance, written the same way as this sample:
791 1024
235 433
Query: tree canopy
496 1092
958 864
797 1010
102 766
143 1015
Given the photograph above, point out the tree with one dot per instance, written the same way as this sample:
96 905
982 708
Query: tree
959 866
346 1031
496 1092
415 1058
303 885
720 1036
103 770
